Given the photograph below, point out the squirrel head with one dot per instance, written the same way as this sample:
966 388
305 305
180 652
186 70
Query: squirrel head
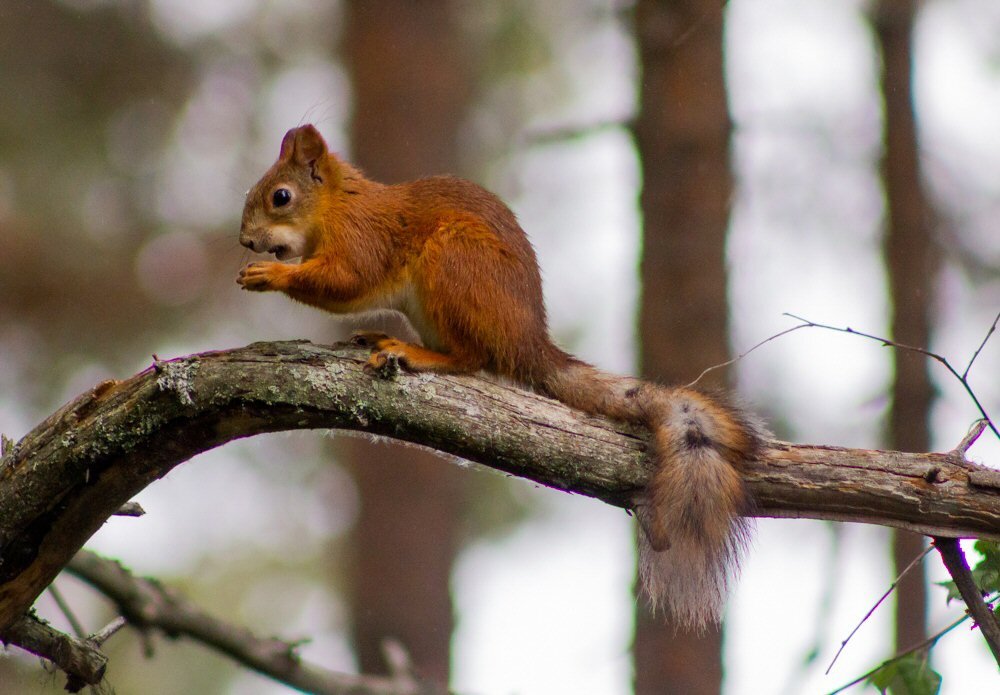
280 214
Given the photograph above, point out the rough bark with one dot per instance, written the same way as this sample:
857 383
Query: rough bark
80 659
63 479
682 133
910 265
982 613
411 88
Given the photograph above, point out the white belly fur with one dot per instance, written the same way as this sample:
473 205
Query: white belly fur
405 302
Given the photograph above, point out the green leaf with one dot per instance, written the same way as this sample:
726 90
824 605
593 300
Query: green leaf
884 676
952 588
910 675
987 571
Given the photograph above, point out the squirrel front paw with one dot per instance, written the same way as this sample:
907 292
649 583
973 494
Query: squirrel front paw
262 276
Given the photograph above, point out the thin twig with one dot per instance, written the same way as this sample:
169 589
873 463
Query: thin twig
979 349
104 634
886 342
147 603
130 509
564 133
954 560
970 437
398 662
745 353
79 659
926 644
64 607
913 563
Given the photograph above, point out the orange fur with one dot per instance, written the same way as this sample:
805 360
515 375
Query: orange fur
451 257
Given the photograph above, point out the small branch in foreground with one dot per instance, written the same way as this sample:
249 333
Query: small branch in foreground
913 563
962 378
970 438
104 634
744 353
130 509
569 132
926 644
148 604
66 610
399 663
979 349
81 660
954 560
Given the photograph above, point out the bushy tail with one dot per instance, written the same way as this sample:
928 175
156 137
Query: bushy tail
691 510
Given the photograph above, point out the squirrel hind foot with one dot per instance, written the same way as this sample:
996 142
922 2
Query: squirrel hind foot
368 339
385 365
656 536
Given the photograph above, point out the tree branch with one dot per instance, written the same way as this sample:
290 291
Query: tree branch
147 603
81 659
67 476
958 568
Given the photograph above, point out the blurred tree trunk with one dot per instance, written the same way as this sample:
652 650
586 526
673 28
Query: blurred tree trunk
909 258
411 93
682 132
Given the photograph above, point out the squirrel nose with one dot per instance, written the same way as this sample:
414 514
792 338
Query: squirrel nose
247 239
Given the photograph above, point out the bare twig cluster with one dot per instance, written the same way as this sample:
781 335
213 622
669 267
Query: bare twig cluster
962 377
148 605
919 647
948 547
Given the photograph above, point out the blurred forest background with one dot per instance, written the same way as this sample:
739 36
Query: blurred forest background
687 171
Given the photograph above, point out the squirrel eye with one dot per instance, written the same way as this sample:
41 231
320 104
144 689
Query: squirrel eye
281 197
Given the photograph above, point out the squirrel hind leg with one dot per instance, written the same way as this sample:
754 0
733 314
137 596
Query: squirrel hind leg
368 339
417 358
654 534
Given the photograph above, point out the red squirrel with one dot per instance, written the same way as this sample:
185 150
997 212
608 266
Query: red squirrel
451 257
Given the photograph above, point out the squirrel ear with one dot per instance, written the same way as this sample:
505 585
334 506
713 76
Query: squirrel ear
306 147
309 144
304 143
287 144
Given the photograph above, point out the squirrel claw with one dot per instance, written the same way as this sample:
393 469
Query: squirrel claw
259 277
384 365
